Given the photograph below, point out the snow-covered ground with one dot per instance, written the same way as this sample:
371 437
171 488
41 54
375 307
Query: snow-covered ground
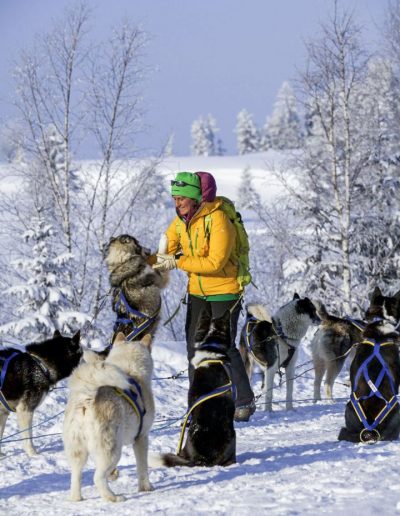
287 462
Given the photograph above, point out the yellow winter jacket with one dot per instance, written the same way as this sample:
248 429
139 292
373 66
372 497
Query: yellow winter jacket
209 261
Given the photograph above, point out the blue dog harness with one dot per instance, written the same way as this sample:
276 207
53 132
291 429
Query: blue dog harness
278 330
134 397
139 328
363 370
360 325
3 373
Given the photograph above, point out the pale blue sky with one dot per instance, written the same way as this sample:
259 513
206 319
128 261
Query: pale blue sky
208 56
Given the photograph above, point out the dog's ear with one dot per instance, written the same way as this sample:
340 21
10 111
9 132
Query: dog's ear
375 294
56 334
146 341
296 296
76 338
120 337
90 356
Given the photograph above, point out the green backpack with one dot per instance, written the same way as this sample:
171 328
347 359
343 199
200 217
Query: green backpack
242 240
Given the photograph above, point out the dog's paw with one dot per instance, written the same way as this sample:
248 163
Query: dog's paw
75 498
111 497
145 486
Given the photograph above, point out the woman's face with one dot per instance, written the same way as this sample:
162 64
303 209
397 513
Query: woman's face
184 205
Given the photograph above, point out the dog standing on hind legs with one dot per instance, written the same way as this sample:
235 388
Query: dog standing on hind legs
273 342
110 405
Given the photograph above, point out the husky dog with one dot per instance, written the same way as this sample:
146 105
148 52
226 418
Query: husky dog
336 336
102 416
372 414
136 286
211 438
273 342
28 377
331 346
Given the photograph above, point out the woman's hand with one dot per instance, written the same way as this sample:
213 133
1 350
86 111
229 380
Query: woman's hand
165 262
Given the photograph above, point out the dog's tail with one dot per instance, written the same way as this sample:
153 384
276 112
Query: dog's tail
259 312
88 378
168 460
321 310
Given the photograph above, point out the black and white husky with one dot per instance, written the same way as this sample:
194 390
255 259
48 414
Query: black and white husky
211 438
273 342
28 377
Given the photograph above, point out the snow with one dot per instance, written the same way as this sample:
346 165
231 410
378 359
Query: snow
287 462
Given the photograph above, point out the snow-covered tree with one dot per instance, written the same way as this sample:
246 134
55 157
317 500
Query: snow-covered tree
203 132
247 134
44 299
283 128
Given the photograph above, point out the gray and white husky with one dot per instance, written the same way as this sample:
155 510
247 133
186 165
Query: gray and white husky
136 286
100 417
273 342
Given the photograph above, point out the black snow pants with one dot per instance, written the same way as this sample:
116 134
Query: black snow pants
195 309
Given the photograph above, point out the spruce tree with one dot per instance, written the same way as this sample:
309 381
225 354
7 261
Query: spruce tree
43 301
283 128
247 134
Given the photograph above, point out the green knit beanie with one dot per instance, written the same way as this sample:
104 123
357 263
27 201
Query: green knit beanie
186 184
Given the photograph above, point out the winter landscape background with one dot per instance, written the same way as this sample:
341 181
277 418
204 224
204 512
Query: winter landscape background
318 188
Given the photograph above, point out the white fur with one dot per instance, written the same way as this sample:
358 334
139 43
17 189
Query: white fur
259 312
117 255
204 355
99 423
293 325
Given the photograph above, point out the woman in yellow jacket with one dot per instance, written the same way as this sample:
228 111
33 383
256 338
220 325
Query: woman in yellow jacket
201 240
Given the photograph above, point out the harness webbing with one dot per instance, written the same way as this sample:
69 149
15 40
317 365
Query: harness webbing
132 396
138 328
3 373
363 370
249 337
219 391
360 325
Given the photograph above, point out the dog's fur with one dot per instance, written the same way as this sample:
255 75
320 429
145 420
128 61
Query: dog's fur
330 348
99 421
130 272
336 336
211 438
26 383
389 428
269 350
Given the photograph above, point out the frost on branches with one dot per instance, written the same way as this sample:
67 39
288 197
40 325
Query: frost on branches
43 300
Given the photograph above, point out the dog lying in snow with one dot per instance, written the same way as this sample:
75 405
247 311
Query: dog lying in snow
101 416
373 414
